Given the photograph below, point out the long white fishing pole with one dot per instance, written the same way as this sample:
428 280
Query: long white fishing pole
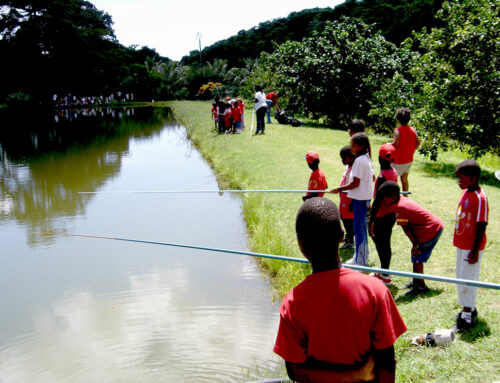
212 191
251 126
437 278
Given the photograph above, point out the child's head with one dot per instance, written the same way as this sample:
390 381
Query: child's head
468 173
388 193
386 155
360 144
346 155
356 126
318 230
258 88
312 159
403 115
235 103
240 100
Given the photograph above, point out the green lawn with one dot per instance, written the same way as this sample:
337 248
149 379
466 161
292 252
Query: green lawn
276 161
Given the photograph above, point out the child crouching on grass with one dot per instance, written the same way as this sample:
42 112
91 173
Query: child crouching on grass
317 181
469 238
421 226
382 220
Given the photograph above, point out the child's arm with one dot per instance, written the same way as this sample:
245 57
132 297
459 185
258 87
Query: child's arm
353 185
474 253
314 370
397 136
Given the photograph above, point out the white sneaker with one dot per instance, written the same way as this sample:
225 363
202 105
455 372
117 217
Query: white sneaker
351 261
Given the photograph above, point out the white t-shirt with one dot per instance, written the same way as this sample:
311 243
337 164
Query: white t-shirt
362 169
261 100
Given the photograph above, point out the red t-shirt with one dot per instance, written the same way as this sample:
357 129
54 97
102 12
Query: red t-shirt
336 316
236 114
272 96
389 175
345 201
472 208
227 117
422 223
317 181
242 108
407 145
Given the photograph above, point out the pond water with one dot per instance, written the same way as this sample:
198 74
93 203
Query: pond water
80 309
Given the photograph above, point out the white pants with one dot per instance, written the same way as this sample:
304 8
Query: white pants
467 294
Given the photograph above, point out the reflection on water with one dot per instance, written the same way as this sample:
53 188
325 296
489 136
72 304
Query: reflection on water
78 309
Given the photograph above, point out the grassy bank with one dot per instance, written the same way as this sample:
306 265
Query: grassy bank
276 161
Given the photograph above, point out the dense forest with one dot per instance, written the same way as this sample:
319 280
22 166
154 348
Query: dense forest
361 59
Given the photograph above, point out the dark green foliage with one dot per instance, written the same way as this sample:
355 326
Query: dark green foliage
334 73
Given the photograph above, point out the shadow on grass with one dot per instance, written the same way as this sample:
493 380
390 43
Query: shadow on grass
446 169
480 330
403 299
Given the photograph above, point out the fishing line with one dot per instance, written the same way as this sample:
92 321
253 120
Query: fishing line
437 278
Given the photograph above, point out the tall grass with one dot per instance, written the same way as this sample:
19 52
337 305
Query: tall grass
276 161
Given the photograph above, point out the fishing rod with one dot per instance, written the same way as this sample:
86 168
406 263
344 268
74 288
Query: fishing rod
437 278
221 191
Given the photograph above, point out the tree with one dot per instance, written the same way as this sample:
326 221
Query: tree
459 79
334 73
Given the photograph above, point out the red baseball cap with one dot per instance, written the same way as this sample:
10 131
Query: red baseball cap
387 152
311 156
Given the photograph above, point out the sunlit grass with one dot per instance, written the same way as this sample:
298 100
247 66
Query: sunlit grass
276 161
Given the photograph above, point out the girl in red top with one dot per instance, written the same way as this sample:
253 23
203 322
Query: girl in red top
242 107
345 204
382 219
421 226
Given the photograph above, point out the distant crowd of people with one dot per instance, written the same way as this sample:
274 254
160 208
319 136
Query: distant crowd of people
72 100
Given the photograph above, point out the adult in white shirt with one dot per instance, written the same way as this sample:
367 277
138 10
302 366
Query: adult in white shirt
260 106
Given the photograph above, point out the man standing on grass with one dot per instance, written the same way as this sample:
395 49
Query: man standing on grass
337 325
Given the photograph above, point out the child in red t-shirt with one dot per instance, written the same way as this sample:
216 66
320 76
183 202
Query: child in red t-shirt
421 226
317 181
405 141
382 220
215 114
337 321
469 238
228 118
242 107
235 110
345 204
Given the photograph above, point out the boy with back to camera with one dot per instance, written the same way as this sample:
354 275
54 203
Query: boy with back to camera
406 142
337 325
317 181
469 238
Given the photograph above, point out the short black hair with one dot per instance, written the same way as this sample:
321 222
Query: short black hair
345 152
357 125
388 189
469 168
318 227
403 115
258 88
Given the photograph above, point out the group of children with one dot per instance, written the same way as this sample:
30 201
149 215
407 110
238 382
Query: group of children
359 186
228 115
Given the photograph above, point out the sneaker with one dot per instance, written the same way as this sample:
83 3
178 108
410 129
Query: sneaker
386 279
464 321
416 290
408 286
347 245
351 261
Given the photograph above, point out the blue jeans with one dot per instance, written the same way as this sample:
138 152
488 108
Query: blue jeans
269 104
361 253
